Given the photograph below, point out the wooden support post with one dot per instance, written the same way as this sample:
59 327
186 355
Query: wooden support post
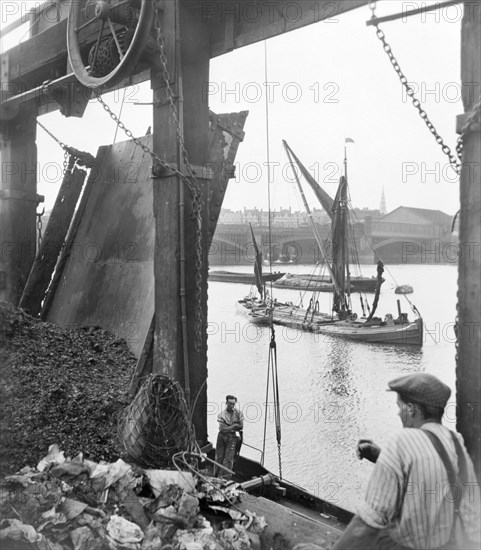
54 238
468 374
170 348
18 204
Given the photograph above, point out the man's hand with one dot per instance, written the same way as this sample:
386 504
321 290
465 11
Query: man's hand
366 448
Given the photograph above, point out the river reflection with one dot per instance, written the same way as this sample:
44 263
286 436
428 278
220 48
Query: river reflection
332 391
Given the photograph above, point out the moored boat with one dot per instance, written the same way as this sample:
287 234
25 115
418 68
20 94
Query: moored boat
404 289
323 283
344 322
389 331
246 278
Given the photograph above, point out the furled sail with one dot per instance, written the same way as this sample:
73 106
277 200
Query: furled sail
323 197
257 266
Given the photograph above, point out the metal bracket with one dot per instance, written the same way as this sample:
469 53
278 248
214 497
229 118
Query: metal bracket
202 172
19 194
461 121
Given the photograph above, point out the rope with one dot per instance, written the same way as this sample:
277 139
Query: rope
120 114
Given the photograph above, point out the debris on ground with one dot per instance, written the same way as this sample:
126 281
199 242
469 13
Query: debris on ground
59 386
80 504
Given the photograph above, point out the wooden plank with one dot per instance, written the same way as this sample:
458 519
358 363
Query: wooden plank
68 247
18 203
259 20
145 361
287 527
231 25
468 373
222 164
55 233
181 353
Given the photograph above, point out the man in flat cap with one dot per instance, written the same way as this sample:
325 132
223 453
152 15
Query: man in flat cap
423 492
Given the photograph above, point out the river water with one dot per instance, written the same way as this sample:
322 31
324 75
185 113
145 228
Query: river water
332 391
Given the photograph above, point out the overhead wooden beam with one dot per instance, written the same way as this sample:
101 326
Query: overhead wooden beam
237 24
231 24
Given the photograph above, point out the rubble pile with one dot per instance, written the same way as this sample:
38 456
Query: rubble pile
59 386
78 504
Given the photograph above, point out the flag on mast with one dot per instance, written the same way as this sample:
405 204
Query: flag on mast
349 140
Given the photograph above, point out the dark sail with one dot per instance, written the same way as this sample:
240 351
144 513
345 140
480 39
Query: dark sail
257 266
340 256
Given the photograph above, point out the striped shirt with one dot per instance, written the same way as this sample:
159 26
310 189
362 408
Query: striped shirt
409 491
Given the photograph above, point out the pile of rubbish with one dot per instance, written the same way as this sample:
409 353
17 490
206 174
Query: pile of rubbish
59 386
78 504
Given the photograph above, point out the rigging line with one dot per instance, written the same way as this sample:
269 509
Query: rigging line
31 27
268 163
120 114
266 410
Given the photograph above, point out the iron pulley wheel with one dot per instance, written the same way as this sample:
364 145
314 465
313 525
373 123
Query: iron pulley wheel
120 30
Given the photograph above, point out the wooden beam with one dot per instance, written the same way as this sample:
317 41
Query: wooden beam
18 204
53 241
258 20
468 373
172 349
231 25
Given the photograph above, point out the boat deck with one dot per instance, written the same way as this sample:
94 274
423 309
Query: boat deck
289 523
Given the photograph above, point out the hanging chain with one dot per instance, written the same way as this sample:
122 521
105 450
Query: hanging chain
197 204
455 162
39 228
190 181
473 115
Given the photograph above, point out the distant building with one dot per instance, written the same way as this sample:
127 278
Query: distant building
382 207
405 235
414 235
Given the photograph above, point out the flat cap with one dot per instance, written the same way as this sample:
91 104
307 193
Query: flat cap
422 388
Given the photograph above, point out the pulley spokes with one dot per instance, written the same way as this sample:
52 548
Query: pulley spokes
120 28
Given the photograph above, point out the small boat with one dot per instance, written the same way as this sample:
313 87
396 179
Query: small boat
344 322
389 331
404 289
323 283
256 309
246 278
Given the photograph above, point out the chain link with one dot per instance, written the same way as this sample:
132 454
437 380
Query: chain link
197 204
190 181
39 228
455 162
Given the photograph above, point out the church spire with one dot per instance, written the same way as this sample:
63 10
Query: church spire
382 208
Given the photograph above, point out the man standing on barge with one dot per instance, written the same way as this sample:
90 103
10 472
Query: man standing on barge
423 492
230 420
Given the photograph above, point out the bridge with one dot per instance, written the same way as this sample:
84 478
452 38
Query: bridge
406 235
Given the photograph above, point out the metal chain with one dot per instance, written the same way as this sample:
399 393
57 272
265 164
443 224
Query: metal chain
191 181
61 143
455 162
197 204
474 114
39 228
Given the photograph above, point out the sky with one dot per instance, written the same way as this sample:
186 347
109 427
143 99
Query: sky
326 82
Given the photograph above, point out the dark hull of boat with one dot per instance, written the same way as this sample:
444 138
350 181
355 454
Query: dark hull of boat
257 315
246 278
293 515
405 333
322 284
